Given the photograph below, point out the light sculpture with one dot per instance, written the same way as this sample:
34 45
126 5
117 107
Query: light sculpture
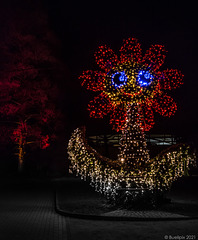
129 89
130 79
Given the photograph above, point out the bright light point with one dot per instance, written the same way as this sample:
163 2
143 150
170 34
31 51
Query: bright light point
122 160
144 78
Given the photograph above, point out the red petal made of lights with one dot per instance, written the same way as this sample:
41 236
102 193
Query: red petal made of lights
131 50
165 105
92 80
154 56
118 118
171 79
146 117
100 106
106 58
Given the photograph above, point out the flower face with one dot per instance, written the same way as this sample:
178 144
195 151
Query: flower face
130 82
132 78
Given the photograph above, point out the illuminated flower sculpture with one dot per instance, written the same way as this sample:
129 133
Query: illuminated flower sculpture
130 88
132 78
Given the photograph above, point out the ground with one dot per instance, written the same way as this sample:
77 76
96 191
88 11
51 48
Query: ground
78 197
27 212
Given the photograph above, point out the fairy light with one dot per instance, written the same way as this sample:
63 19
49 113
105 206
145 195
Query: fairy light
144 78
107 175
133 147
118 79
131 79
129 89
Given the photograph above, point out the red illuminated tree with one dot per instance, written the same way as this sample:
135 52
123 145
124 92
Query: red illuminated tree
27 91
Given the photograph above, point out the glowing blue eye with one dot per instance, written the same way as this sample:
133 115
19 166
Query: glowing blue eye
144 78
119 79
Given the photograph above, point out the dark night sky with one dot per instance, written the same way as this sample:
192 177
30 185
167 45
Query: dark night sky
83 26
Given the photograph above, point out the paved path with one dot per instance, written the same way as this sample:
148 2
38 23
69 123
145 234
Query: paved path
27 212
127 230
144 214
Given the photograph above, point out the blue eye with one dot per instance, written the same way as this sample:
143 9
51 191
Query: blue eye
119 79
144 78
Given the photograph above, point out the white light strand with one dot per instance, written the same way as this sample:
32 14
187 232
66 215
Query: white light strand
107 176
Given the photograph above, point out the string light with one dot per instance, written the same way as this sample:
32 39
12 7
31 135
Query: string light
130 88
144 78
130 79
107 175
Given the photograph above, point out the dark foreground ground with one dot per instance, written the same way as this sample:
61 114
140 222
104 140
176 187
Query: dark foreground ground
27 212
77 196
